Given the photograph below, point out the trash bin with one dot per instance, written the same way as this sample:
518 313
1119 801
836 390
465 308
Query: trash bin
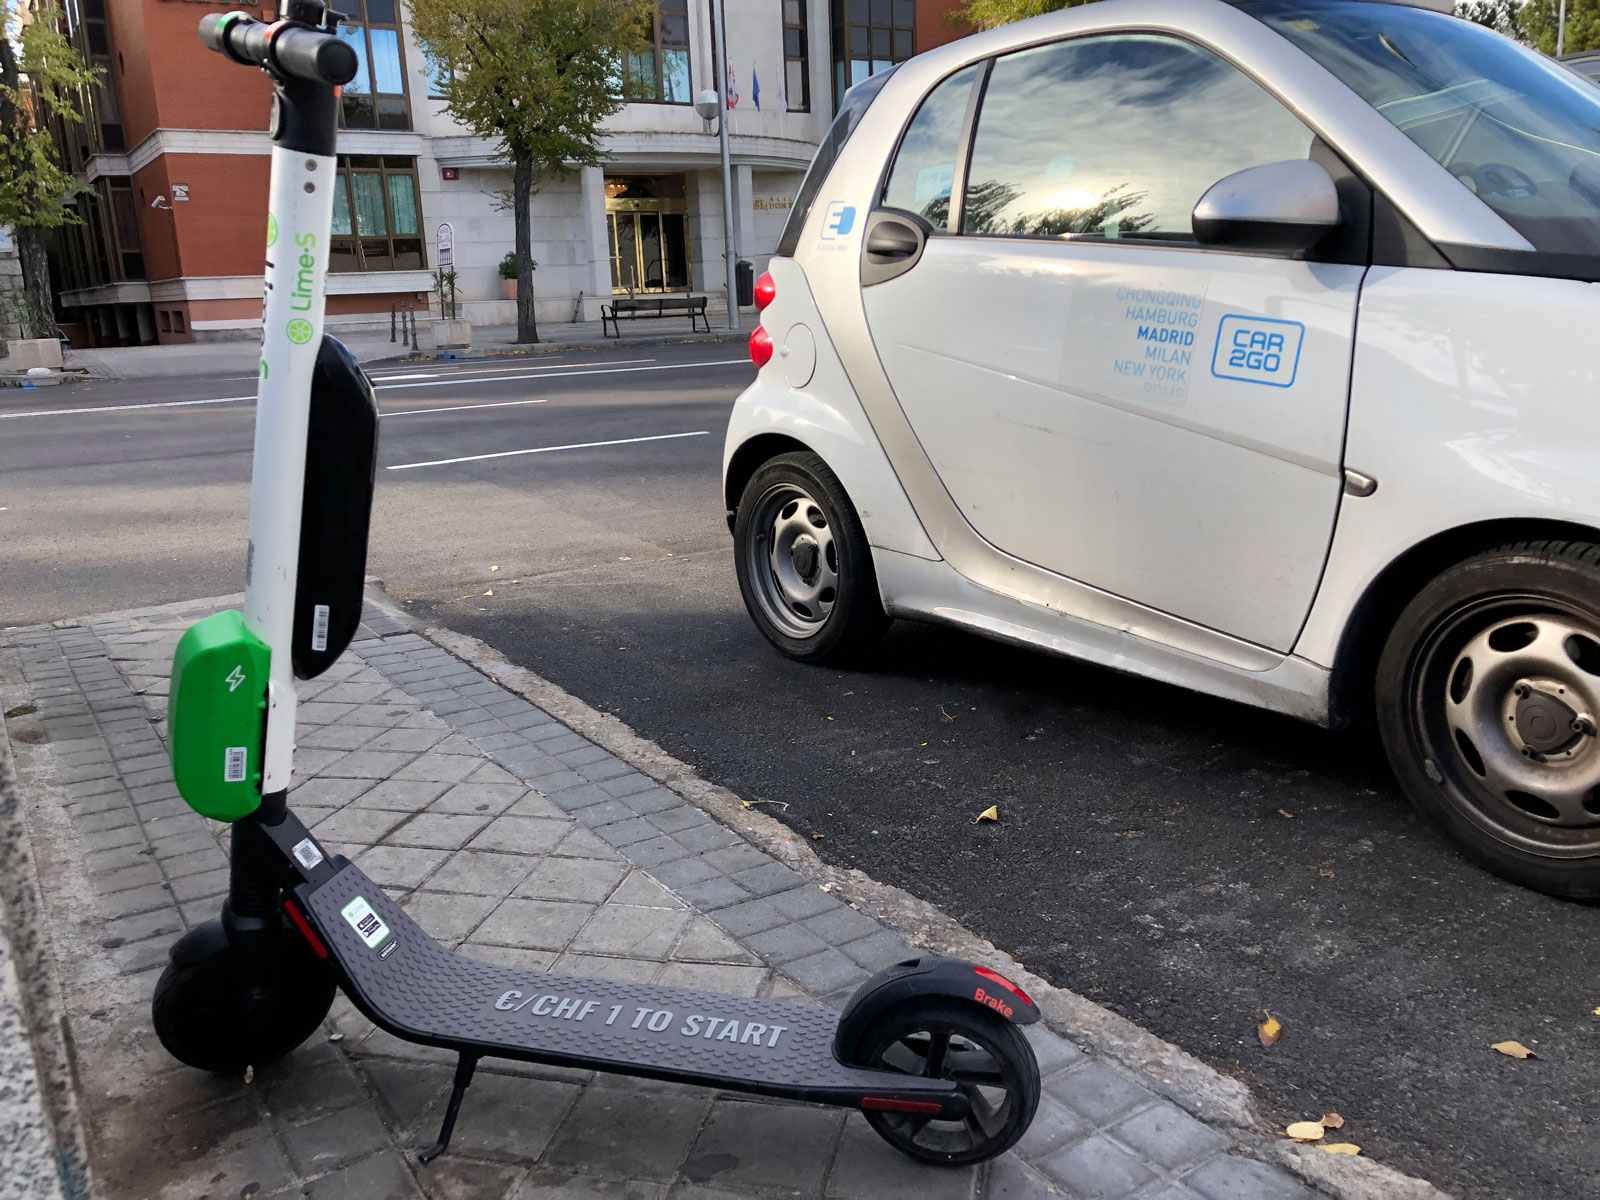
745 276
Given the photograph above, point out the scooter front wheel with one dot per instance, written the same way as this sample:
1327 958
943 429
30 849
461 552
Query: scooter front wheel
985 1055
200 1008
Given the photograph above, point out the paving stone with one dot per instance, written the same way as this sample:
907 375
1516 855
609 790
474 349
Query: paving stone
328 791
801 903
824 972
513 1117
1229 1178
199 887
535 924
1054 1125
1168 1136
704 942
519 957
743 857
715 894
381 1177
438 768
103 862
446 916
1096 1166
878 951
140 956
795 1145
603 769
300 1089
753 916
766 880
640 889
631 932
560 744
706 836
339 737
583 879
489 772
127 833
636 1133
126 877
628 784
446 831
785 943
480 872
367 764
1098 1092
582 843
520 835
548 782
624 833
399 866
1053 1052
532 804
134 901
685 871
865 1167
258 1167
355 825
583 796
1012 1179
161 922
841 926
606 813
401 795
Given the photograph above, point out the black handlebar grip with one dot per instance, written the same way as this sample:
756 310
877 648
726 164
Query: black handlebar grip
305 53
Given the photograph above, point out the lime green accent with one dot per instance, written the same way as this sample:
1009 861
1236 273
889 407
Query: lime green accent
272 230
217 716
263 368
299 331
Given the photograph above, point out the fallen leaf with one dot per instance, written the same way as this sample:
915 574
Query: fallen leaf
1269 1031
817 837
1513 1050
1333 1121
1325 872
1596 1011
494 568
490 592
1340 1148
849 693
992 813
249 1074
1306 1131
1284 812
944 715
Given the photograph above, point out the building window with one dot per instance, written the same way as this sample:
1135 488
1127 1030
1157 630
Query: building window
870 36
376 97
660 72
377 223
440 76
796 60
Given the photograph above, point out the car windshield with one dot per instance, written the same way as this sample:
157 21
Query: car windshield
1516 129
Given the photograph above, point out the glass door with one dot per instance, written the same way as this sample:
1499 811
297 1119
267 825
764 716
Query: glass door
647 225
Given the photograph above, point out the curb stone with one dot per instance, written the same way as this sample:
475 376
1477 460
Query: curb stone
1176 1075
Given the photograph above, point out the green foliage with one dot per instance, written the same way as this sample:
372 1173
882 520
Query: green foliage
986 14
22 310
1539 18
508 265
1498 15
41 75
539 74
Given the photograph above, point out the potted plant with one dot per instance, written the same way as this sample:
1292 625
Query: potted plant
508 274
449 331
39 343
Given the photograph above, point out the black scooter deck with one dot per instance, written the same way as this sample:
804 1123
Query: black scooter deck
415 988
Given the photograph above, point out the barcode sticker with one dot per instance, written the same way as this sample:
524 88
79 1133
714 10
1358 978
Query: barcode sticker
367 924
306 853
234 761
319 628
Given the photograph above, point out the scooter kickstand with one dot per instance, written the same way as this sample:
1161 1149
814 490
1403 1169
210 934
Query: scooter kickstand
465 1065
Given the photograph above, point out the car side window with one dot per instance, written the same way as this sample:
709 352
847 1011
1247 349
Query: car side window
1116 137
924 170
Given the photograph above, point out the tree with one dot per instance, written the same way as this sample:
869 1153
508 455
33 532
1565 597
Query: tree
1498 15
986 14
41 76
538 75
1539 18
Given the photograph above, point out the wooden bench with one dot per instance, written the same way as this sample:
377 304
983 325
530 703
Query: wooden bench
634 307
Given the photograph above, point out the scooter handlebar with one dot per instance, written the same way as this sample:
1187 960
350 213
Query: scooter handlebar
292 49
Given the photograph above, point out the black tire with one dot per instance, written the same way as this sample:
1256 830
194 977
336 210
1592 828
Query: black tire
796 533
987 1053
1511 634
198 1007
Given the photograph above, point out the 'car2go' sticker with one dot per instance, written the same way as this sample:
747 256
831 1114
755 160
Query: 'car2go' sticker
1258 350
367 924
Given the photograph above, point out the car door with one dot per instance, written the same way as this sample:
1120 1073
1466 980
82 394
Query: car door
1099 395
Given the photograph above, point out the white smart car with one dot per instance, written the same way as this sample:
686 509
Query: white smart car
1247 346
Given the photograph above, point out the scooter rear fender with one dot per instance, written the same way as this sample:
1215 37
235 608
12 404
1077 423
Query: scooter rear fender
920 978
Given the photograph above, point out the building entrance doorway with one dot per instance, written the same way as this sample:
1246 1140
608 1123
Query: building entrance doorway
647 223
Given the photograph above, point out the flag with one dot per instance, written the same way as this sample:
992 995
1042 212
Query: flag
755 89
733 88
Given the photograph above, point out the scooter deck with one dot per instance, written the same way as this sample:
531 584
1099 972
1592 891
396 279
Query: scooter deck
415 988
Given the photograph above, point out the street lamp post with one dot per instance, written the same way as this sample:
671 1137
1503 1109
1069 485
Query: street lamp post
720 72
1561 30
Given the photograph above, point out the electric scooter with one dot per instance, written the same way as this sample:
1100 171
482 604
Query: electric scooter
928 1049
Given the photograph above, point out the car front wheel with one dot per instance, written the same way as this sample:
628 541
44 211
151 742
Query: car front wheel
804 566
1488 697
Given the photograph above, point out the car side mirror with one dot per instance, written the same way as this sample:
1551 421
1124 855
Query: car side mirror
1281 207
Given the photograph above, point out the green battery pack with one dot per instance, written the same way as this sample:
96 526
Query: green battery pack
217 716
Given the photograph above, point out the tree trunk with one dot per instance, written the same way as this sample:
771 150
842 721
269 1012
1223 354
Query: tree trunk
522 197
35 260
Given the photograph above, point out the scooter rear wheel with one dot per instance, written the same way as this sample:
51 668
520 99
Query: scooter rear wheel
986 1055
199 1005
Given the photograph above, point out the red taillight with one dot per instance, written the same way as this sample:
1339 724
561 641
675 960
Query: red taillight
1005 983
760 347
305 929
890 1104
766 290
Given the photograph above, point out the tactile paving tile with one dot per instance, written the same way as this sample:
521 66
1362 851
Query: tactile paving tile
416 988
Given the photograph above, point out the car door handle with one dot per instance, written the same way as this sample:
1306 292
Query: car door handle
893 240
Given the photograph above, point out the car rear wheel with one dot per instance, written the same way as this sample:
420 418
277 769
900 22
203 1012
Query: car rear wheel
804 566
1488 697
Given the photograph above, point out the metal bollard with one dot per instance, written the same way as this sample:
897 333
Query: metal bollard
392 307
405 330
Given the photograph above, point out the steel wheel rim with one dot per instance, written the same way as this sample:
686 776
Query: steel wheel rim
1506 696
940 1050
792 561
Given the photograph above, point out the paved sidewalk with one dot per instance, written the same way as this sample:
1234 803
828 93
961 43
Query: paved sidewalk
241 357
516 840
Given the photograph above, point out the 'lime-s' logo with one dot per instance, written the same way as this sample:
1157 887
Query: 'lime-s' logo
272 230
299 331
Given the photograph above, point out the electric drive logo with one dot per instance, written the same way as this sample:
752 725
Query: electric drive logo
838 220
1258 350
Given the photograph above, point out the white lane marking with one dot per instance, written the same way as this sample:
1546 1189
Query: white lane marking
445 462
414 412
72 412
470 372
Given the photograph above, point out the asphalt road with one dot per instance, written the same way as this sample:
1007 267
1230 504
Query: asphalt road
1186 862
